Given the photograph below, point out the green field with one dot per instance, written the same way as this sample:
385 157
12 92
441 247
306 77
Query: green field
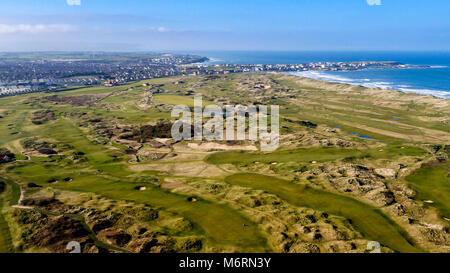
371 222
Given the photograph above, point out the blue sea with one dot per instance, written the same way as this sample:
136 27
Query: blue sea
434 80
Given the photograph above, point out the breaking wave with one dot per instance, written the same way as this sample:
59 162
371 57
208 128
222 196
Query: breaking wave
319 75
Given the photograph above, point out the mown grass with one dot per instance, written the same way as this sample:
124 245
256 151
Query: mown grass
312 154
433 183
370 221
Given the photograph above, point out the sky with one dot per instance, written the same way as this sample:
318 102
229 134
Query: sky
188 25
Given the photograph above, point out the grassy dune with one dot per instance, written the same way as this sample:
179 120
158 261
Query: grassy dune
371 222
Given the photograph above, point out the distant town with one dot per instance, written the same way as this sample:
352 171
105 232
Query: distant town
199 69
52 72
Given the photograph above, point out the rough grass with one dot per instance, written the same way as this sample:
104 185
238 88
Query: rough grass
370 221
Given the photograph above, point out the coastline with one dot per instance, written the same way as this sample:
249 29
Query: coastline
369 83
425 73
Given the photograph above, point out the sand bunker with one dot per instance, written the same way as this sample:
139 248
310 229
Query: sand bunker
191 169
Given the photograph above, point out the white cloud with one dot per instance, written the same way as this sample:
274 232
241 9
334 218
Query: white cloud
162 29
39 28
374 2
159 29
73 2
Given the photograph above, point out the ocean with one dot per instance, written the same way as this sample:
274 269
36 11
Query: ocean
430 81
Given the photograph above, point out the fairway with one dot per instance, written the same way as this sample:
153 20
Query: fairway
433 183
312 154
371 222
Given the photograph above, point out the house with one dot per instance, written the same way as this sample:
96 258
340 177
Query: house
111 83
6 159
